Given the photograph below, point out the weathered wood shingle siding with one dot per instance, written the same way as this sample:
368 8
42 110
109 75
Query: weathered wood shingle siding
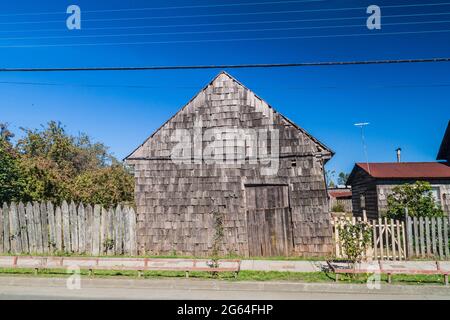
175 202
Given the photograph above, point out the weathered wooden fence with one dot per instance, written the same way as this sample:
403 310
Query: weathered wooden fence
42 228
428 237
400 240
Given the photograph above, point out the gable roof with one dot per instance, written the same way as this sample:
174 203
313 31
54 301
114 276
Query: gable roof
444 150
404 170
323 146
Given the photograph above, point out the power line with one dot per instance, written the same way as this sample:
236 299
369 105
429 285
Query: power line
168 8
218 31
230 14
132 86
232 23
232 66
223 40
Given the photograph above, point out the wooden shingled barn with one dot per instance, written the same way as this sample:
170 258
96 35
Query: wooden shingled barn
192 206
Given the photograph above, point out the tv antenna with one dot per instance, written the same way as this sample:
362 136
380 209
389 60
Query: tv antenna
361 125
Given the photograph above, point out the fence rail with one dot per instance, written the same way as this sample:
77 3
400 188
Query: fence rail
41 228
400 240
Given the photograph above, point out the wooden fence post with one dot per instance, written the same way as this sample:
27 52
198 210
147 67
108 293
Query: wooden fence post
422 237
393 240
441 251
6 234
118 218
37 227
433 235
133 232
89 221
416 236
30 228
427 236
81 229
44 227
58 229
104 241
380 236
23 228
409 234
446 237
96 231
51 227
110 230
16 243
66 227
73 226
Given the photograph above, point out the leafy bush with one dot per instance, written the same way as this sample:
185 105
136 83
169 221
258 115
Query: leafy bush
338 207
417 198
355 239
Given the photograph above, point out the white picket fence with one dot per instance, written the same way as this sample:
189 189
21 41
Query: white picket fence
43 228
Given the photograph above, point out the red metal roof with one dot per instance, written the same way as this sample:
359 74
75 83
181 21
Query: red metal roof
340 194
407 170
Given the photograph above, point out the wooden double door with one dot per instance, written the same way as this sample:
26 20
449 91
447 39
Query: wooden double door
269 220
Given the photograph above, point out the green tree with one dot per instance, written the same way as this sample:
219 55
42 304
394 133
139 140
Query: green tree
50 164
342 178
10 186
416 197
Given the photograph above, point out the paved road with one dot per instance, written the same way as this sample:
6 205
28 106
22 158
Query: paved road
12 287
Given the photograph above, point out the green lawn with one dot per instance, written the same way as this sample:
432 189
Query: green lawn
317 277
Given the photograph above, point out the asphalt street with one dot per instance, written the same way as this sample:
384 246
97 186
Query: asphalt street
13 287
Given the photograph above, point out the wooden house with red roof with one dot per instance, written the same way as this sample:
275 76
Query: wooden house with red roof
372 182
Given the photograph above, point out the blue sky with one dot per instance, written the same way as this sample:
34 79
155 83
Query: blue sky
407 105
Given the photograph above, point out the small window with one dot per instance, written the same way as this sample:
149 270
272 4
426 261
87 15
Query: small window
436 194
293 163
